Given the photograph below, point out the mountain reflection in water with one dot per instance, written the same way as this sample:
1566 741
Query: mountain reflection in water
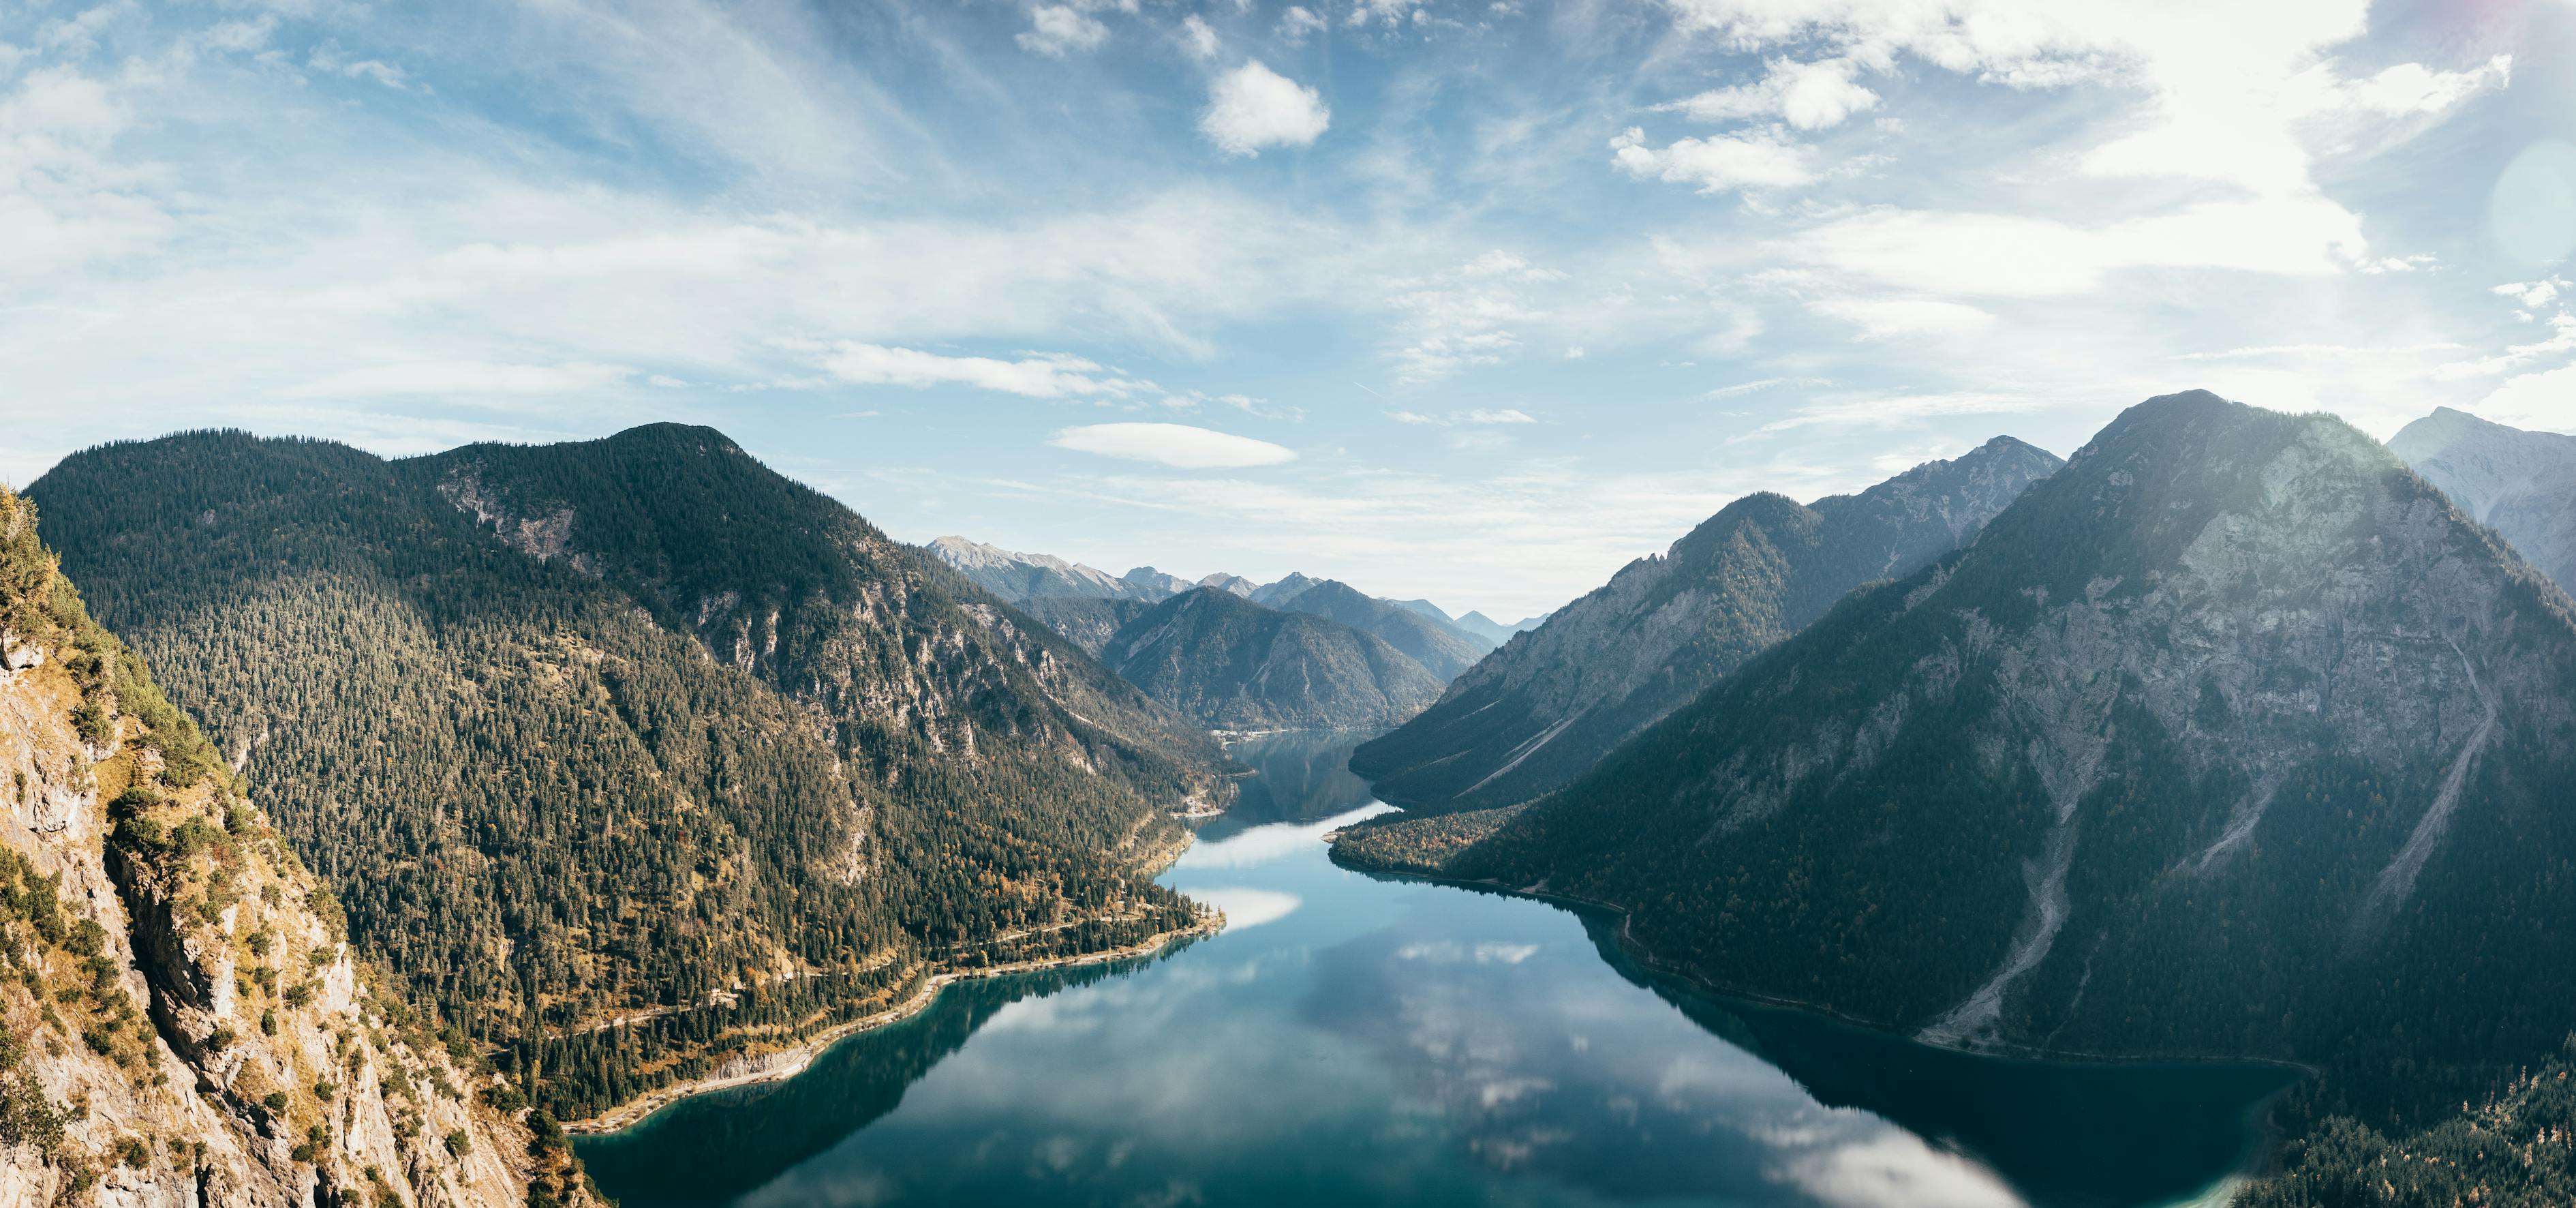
1370 1040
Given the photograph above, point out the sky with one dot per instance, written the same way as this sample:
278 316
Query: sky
1472 300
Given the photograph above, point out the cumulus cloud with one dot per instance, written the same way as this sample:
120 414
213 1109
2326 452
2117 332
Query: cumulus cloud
1042 375
1719 164
1056 30
1178 445
1809 96
1252 107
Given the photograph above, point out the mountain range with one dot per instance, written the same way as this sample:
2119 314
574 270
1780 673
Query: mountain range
1545 708
633 728
2231 738
1237 665
1355 662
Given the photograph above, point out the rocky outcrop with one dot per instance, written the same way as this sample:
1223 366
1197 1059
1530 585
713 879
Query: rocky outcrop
181 1021
1551 702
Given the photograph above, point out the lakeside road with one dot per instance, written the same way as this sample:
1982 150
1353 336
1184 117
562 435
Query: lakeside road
782 1064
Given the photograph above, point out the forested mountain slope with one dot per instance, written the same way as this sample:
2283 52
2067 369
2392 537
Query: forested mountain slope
182 1021
631 725
1551 702
2232 737
2521 484
1236 665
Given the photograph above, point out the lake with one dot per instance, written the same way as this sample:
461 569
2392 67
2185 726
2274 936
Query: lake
1354 1039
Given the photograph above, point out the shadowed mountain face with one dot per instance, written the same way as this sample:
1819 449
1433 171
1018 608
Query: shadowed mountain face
2521 484
617 724
1543 709
2215 742
1234 664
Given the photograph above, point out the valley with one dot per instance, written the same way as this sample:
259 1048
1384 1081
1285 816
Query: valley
665 804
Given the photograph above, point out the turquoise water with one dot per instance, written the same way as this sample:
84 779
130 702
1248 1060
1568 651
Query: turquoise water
1352 1039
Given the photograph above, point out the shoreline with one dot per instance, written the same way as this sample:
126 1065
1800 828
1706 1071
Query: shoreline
635 1111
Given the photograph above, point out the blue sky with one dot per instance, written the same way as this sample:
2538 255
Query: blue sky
1466 300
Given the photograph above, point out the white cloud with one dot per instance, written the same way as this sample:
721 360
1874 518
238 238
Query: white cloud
1479 415
1197 37
1297 21
64 201
1892 318
329 59
2562 338
1177 445
1246 907
1043 375
1252 107
2406 88
1057 30
2545 400
2010 255
1389 13
2533 293
460 378
1753 160
1809 96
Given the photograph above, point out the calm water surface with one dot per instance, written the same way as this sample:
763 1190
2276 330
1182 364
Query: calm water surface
1352 1039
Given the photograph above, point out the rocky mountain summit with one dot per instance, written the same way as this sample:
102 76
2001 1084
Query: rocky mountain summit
185 1022
1551 702
2521 484
2233 737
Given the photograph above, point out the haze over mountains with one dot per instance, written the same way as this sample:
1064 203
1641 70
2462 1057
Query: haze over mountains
2232 737
1355 662
2521 484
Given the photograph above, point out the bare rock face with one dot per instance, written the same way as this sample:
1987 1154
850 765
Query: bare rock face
1551 702
2234 737
181 1023
2521 484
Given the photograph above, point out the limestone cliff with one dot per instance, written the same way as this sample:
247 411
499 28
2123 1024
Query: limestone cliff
181 1019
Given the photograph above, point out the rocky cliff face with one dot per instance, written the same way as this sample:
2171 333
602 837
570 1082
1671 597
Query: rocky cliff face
1551 702
1234 664
184 1022
2233 737
2521 484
